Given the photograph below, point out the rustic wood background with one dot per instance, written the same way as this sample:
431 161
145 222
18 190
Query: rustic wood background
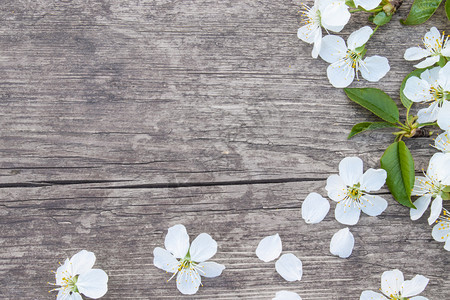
120 119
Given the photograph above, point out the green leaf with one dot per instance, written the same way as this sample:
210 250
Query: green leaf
405 101
364 126
445 196
381 18
447 9
350 3
447 189
421 10
442 61
399 165
376 101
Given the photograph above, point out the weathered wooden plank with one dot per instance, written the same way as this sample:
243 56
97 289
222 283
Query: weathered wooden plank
175 91
40 226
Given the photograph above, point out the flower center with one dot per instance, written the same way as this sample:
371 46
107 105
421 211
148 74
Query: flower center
354 192
439 94
69 283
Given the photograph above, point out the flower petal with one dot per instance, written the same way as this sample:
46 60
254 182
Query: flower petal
342 243
442 142
67 296
359 37
440 168
436 208
333 48
82 262
421 205
351 170
177 241
336 188
441 231
369 295
373 205
417 90
429 114
308 33
63 271
432 39
431 75
374 68
286 295
367 4
188 281
447 245
314 208
415 53
414 286
210 269
335 16
391 282
203 248
444 77
269 248
428 62
93 283
340 74
289 267
443 118
164 260
373 180
347 215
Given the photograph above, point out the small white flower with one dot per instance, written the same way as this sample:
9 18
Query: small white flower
441 230
314 208
76 277
332 15
269 248
350 188
394 286
289 267
435 47
286 295
432 87
192 261
442 142
347 61
443 118
431 186
367 4
342 243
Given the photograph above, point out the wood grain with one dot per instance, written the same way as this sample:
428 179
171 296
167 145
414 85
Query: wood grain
120 119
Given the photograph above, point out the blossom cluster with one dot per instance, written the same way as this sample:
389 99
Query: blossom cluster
346 59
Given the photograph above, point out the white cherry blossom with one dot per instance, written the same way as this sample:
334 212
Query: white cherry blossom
350 189
269 248
394 286
435 47
442 142
347 60
314 208
76 277
289 267
431 186
192 261
367 4
441 230
286 295
342 243
432 87
332 15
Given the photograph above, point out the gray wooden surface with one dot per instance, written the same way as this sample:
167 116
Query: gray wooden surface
120 119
